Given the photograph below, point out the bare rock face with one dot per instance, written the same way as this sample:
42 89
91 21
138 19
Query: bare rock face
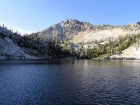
53 32
77 31
71 27
67 29
135 26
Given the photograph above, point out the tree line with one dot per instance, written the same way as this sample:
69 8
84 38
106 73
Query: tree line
59 49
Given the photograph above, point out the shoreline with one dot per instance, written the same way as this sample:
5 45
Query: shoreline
74 58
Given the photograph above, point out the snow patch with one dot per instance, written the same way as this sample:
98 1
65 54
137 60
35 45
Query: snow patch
70 20
62 26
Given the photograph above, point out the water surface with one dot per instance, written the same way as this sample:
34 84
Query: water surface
69 82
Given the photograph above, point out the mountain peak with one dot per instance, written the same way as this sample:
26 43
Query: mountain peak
70 21
78 31
135 25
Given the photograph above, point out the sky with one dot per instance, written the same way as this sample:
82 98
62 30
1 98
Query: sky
27 16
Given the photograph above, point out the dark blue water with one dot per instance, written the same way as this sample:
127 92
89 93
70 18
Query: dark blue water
69 82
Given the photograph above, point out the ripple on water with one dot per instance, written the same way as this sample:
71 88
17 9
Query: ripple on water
70 82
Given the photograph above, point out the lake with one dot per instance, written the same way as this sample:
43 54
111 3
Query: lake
69 82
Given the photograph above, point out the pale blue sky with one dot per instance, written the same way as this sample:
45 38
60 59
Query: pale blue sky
37 15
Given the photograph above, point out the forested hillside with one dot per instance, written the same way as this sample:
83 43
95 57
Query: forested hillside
15 46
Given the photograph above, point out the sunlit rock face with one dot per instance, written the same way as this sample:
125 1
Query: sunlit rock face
36 45
66 29
76 31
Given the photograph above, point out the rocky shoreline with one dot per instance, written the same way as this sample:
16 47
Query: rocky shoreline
124 58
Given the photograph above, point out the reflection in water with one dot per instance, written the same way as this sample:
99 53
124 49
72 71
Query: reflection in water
69 82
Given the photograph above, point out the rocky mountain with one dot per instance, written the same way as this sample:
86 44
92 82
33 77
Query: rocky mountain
77 31
9 48
67 29
73 39
15 46
131 53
